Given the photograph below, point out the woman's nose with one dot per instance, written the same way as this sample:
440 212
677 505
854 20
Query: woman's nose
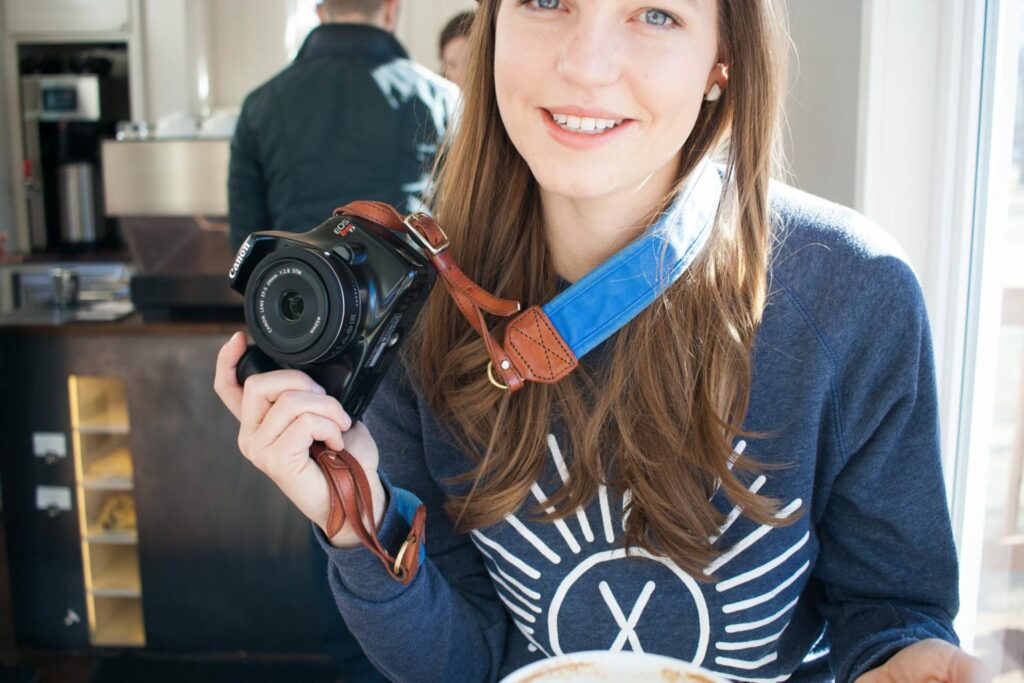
590 55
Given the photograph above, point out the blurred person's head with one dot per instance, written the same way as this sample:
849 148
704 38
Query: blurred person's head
380 13
452 47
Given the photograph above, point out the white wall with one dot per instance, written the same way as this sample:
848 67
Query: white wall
6 181
247 46
420 23
202 55
822 108
908 114
170 57
6 188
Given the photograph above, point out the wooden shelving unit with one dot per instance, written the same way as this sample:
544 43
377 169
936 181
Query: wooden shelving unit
106 510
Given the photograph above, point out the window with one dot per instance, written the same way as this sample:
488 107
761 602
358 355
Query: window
991 459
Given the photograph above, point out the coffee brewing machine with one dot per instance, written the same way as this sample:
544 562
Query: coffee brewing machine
71 99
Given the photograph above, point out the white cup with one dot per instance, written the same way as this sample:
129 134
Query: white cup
612 667
176 126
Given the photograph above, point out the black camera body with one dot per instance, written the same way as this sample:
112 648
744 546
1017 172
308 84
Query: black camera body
335 302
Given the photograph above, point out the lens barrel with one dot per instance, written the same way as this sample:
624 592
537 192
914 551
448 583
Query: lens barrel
301 306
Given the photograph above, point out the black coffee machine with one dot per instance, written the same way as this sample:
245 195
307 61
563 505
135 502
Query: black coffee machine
71 98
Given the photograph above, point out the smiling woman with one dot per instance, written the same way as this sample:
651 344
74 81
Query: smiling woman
571 200
739 465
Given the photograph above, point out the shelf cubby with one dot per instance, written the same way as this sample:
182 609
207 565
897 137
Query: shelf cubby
118 622
115 571
101 406
106 461
105 490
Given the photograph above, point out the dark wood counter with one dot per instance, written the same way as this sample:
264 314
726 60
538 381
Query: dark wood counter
226 562
133 324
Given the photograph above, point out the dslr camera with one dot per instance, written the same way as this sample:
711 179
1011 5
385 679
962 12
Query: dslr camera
335 302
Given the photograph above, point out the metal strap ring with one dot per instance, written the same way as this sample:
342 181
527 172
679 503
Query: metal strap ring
397 569
490 376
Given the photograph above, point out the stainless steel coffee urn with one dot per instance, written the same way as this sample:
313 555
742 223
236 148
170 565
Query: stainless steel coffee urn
81 211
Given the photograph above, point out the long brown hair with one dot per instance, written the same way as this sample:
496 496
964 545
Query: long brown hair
659 417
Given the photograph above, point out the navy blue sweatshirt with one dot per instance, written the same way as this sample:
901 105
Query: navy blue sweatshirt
844 387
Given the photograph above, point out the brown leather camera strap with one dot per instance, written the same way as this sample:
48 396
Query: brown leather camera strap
532 348
351 500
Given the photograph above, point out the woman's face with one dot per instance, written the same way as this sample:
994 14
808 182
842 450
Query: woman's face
598 95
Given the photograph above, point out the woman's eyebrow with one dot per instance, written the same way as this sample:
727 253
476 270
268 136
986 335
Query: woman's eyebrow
692 3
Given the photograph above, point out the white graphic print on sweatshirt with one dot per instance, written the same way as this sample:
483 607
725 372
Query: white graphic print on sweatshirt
602 599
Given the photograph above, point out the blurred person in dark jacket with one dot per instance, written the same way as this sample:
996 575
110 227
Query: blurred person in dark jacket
452 47
351 118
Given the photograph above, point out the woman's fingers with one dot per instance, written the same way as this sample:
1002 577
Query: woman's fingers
262 390
282 413
224 381
289 406
288 456
266 389
361 445
286 461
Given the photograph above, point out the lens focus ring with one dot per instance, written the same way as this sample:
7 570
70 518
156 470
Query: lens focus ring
296 303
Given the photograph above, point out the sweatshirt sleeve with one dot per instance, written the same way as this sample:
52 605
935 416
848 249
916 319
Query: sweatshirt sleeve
887 560
447 624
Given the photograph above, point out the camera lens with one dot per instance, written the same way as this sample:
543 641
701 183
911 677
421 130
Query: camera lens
301 306
292 305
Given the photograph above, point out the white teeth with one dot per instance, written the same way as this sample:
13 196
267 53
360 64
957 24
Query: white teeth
584 124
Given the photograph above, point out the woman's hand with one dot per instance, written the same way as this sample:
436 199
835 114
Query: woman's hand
281 414
931 660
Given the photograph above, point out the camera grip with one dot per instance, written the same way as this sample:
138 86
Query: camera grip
253 362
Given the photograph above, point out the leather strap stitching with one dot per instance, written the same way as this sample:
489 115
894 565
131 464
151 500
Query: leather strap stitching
548 351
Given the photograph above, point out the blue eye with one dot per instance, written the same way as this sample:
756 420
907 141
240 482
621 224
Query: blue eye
541 7
656 17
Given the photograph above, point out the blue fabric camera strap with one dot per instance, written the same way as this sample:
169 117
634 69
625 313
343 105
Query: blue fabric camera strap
544 343
605 299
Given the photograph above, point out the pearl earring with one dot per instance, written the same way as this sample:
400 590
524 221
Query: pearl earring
714 93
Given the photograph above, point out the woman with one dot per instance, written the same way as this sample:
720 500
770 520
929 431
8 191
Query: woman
761 438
